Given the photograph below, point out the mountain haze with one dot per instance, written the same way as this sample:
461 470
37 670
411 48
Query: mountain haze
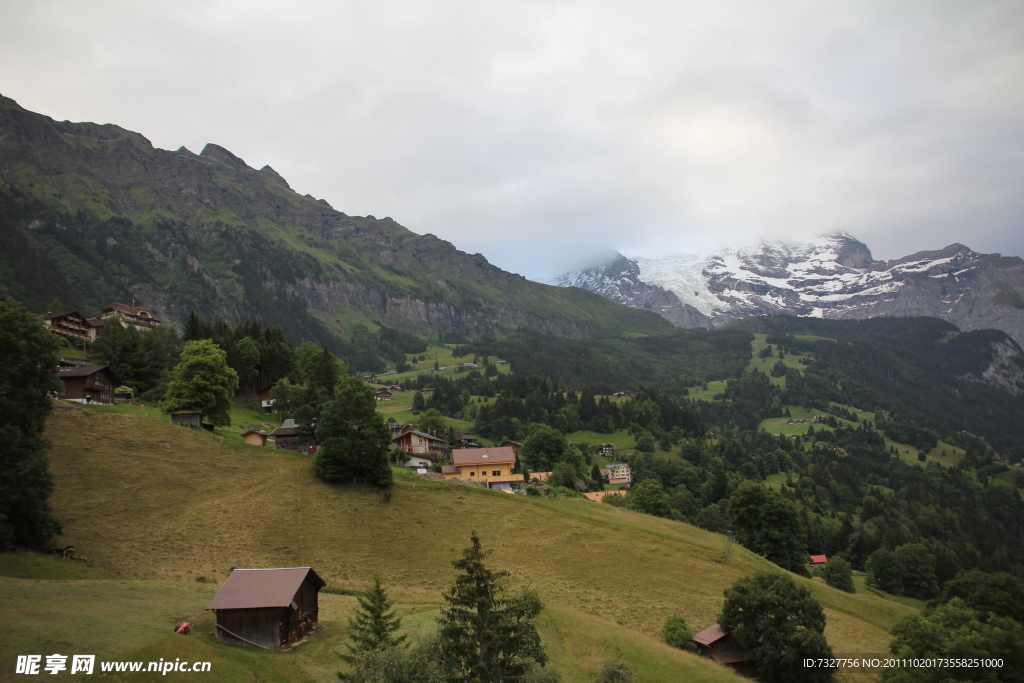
92 213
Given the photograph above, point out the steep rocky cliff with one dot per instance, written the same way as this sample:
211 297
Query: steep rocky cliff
91 213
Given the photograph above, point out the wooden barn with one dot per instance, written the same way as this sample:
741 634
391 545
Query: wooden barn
714 643
267 608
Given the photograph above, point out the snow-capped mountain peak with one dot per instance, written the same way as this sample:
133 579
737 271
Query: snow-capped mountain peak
831 276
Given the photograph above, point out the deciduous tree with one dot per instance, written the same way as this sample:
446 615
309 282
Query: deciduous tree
838 574
650 498
769 525
778 624
543 447
884 571
202 382
954 630
917 566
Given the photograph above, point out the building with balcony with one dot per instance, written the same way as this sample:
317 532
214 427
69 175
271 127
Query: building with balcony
87 383
137 316
420 443
619 473
493 466
70 325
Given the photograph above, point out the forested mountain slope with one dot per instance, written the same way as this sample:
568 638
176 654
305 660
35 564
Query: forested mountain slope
923 368
92 213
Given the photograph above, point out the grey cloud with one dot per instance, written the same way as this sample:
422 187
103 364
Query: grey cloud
544 134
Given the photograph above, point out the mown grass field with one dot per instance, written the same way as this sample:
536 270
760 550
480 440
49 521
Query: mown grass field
162 517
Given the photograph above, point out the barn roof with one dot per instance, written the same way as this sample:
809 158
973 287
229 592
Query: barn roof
81 370
482 456
710 635
254 588
819 559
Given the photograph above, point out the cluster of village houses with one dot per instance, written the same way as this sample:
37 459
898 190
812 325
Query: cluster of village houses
492 467
85 382
470 463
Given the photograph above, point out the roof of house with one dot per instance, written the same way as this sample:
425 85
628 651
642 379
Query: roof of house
254 431
255 588
423 434
710 635
600 495
482 456
51 316
818 559
82 370
540 476
514 443
124 308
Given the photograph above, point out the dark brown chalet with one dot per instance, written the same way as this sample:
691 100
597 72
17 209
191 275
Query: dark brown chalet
87 383
267 608
70 325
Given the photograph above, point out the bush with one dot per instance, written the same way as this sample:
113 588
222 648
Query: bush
615 672
837 573
676 633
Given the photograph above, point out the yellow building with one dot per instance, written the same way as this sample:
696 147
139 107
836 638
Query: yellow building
491 465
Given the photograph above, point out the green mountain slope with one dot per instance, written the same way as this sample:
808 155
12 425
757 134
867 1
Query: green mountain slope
92 212
959 381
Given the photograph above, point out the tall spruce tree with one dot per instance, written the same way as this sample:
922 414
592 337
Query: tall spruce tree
488 636
374 626
29 355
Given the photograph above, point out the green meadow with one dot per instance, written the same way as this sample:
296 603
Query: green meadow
164 514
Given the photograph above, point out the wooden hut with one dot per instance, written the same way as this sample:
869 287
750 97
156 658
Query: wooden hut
187 418
255 437
716 644
267 608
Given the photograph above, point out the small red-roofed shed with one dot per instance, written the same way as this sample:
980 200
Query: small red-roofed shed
818 560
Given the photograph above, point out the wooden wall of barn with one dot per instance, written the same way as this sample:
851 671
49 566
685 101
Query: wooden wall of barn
262 626
304 619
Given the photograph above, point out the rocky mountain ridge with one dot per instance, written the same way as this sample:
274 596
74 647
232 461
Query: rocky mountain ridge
833 276
92 213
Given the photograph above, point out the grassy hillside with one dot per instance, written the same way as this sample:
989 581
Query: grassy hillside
171 512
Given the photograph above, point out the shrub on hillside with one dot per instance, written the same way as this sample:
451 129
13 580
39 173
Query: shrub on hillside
676 633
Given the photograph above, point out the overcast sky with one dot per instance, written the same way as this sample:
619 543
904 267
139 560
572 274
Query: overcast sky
548 134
